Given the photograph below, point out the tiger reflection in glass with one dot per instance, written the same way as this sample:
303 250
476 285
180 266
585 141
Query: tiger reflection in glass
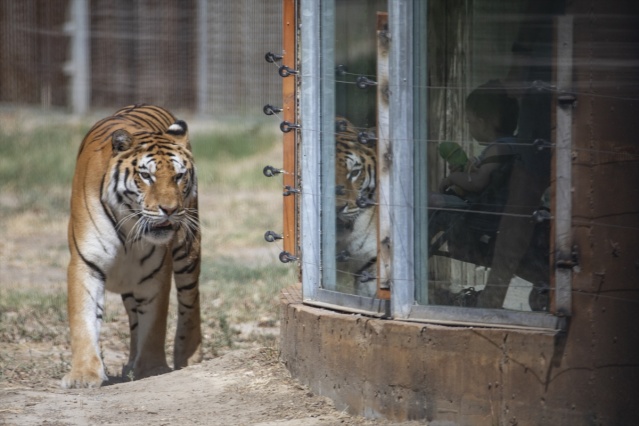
356 210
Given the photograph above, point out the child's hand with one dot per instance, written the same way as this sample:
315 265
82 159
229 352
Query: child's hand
444 185
472 166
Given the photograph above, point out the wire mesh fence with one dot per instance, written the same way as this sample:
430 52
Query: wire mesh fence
63 64
197 55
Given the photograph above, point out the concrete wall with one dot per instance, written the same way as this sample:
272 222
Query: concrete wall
453 375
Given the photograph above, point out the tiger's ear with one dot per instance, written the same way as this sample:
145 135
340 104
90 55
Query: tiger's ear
121 140
178 130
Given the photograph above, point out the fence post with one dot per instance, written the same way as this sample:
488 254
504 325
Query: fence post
79 66
202 58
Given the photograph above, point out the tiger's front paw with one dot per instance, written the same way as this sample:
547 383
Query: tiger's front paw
78 378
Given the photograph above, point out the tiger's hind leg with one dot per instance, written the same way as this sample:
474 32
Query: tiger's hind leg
188 336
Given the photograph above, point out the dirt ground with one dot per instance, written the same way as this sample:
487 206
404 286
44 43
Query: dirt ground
242 383
243 387
246 386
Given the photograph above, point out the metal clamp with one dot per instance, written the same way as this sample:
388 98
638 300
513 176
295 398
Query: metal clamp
364 82
272 57
288 190
271 236
286 257
285 71
541 215
541 144
565 262
366 138
566 99
366 276
363 202
286 126
270 109
270 171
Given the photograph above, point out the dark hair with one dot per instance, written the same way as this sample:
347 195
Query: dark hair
491 100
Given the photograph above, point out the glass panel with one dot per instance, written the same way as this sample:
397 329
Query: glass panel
349 247
488 159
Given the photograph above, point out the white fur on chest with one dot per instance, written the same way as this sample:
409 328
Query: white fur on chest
125 265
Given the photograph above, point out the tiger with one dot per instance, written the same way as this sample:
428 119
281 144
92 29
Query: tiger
356 211
134 223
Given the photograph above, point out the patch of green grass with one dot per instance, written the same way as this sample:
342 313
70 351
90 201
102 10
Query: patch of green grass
245 292
36 165
232 143
38 158
234 156
32 316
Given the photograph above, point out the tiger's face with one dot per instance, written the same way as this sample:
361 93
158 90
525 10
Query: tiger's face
355 169
152 181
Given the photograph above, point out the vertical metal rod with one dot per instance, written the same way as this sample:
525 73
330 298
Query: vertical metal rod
310 235
420 146
384 148
327 142
79 67
202 58
563 185
401 162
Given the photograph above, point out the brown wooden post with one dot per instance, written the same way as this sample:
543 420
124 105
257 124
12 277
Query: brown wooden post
289 113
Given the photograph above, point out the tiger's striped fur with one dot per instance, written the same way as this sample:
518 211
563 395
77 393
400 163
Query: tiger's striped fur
356 211
134 222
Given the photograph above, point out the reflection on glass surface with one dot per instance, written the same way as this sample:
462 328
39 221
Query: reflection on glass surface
355 56
356 211
485 158
489 122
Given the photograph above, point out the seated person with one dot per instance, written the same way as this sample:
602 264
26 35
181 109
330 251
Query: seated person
492 119
472 197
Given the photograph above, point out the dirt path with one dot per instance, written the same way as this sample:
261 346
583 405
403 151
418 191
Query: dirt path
245 387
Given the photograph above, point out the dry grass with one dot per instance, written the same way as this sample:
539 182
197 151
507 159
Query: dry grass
241 276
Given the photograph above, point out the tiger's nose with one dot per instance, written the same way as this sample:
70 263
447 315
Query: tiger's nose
168 210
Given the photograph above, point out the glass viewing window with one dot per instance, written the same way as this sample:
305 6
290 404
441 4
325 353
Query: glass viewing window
427 130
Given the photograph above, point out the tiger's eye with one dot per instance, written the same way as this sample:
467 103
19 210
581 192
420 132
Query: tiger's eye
145 175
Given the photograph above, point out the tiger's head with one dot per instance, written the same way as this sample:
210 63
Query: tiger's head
151 184
355 170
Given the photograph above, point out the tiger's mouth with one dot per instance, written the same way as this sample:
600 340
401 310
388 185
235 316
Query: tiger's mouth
163 226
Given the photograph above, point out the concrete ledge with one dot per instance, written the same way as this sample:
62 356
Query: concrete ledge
405 371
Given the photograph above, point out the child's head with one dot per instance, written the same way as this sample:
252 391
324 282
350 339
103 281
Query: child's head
491 112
